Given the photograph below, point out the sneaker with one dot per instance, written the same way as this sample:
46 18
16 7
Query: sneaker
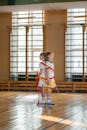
44 102
41 102
49 102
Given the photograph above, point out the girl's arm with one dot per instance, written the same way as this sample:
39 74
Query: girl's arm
47 75
40 72
41 69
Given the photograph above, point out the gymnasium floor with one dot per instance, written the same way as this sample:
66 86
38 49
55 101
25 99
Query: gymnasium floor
18 111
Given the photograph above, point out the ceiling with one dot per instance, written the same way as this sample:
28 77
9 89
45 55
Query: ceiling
48 6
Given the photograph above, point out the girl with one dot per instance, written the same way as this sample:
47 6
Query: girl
50 76
42 79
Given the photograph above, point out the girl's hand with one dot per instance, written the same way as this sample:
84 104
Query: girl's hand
48 82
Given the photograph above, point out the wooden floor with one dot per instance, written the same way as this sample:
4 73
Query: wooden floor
18 111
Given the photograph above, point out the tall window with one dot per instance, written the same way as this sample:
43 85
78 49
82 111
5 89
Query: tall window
26 43
76 45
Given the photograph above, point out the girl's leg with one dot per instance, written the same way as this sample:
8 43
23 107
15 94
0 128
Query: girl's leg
39 94
47 94
49 98
43 94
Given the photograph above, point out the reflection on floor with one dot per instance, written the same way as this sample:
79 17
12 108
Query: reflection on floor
19 111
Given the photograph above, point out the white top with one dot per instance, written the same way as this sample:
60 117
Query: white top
42 67
50 67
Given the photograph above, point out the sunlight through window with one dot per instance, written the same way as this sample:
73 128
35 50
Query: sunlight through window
26 55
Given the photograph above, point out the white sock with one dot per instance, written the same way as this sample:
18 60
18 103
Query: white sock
49 100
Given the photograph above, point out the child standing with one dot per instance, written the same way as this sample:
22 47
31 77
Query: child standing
50 76
42 77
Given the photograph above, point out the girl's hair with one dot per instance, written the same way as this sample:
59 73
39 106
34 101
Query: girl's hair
47 55
43 54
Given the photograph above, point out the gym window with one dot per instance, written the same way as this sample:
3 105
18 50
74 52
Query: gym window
76 45
26 43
